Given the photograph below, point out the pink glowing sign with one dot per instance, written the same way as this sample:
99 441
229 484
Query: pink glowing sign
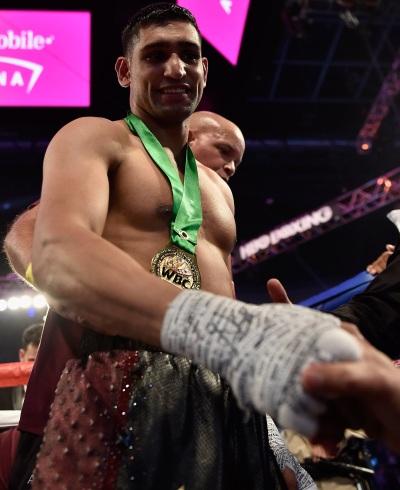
221 22
44 58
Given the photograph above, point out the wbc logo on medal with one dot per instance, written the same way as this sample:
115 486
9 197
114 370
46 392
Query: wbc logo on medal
177 267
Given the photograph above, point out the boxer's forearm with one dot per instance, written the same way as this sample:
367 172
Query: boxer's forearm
259 350
83 273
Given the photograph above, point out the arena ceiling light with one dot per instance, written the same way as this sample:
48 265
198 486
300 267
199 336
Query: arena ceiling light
23 302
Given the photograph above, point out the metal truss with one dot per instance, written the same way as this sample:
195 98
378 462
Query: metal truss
349 207
380 108
337 17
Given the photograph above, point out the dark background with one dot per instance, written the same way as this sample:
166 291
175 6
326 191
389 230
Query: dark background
300 92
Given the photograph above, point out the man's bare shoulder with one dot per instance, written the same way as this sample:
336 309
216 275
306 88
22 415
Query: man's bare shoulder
212 176
87 128
94 137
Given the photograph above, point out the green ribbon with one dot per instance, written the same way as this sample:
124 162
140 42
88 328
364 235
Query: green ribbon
186 210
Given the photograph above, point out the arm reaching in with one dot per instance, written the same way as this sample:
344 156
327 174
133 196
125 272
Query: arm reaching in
260 350
367 392
379 264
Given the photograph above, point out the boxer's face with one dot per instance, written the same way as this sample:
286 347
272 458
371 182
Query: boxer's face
28 354
167 73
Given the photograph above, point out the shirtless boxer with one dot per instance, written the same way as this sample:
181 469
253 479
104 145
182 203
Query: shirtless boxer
118 218
219 144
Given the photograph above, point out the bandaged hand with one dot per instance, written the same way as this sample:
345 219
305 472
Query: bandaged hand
260 351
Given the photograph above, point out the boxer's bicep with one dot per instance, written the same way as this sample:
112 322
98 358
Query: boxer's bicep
74 201
75 181
80 271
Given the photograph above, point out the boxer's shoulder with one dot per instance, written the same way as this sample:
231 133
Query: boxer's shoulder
94 137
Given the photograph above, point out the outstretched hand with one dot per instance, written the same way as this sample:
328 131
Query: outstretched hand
365 393
277 292
379 264
331 422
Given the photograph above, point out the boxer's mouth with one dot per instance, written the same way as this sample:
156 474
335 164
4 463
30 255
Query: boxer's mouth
175 89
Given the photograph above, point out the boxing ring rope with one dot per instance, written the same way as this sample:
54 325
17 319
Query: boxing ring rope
15 373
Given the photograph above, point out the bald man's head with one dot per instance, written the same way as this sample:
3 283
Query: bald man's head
216 142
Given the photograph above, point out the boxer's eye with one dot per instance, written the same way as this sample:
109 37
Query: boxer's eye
190 56
156 56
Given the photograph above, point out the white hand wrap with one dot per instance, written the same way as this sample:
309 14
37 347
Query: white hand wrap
259 350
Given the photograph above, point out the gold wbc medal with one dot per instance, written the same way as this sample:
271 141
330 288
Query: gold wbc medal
177 267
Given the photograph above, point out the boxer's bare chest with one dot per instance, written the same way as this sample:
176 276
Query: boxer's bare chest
141 199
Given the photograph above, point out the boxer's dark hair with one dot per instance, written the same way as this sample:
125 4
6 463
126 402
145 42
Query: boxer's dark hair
154 14
31 335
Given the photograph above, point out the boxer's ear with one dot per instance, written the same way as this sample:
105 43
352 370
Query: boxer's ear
123 72
205 70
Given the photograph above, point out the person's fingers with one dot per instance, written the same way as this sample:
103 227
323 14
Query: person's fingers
384 258
362 394
378 265
374 268
372 375
333 380
277 292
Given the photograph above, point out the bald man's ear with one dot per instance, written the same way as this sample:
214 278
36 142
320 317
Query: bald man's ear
191 136
205 69
193 141
122 70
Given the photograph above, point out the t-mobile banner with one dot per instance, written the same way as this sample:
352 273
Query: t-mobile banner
221 22
44 58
